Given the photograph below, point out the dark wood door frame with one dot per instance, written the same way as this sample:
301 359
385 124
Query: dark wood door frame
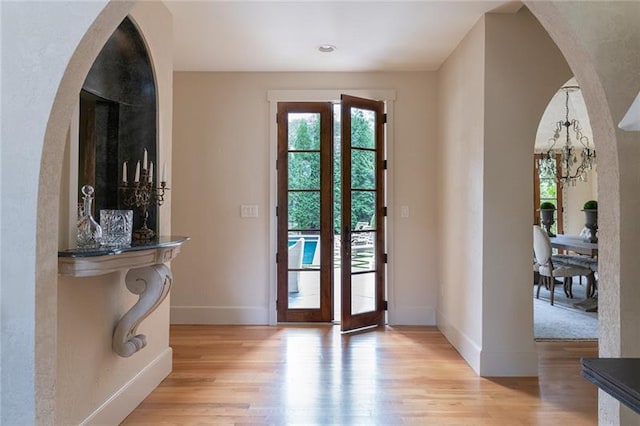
325 312
351 321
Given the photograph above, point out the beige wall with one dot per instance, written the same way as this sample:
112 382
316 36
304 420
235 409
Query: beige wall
524 69
461 159
89 373
574 198
500 78
221 160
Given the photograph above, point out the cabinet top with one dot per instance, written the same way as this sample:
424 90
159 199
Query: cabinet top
159 242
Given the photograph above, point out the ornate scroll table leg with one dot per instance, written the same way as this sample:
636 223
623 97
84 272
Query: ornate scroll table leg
152 283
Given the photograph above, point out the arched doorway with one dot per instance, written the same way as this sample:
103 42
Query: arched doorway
106 20
607 99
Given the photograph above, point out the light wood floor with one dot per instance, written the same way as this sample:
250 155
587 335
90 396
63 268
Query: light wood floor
389 376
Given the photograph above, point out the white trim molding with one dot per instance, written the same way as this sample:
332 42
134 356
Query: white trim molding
466 346
115 409
414 315
245 315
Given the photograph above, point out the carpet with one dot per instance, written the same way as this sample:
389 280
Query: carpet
563 321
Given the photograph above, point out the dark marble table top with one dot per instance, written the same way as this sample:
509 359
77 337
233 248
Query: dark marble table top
619 377
159 242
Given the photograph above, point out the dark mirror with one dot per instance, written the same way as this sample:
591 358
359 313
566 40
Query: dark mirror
118 120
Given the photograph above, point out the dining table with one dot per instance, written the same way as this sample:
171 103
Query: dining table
574 243
577 244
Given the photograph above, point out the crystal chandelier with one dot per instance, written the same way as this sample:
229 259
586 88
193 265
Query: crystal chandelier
571 169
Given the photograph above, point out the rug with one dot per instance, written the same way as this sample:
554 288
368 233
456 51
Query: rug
563 321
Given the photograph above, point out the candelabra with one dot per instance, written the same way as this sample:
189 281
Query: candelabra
141 194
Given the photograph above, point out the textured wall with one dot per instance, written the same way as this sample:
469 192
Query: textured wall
37 44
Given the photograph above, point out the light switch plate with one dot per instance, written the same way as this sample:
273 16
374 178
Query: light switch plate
249 210
404 211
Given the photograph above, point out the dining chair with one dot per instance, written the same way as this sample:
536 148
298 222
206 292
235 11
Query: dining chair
588 262
550 271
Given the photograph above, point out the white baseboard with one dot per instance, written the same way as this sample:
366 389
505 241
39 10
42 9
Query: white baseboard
115 409
251 315
412 316
240 315
469 350
490 363
505 364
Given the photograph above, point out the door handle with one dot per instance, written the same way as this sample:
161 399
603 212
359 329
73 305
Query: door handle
346 241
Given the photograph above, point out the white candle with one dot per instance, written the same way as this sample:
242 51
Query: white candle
144 160
137 178
164 172
150 171
124 172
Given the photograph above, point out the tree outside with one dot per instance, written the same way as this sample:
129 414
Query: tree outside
304 170
549 192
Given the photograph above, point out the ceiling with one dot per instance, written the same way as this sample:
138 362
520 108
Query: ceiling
285 35
556 112
419 35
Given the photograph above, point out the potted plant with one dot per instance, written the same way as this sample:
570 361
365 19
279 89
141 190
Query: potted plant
590 210
547 210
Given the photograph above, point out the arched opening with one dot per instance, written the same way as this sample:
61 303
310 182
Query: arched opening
118 121
50 170
565 177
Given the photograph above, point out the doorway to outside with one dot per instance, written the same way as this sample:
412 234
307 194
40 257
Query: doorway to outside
546 188
331 212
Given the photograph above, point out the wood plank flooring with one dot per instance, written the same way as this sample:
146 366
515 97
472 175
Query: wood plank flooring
388 376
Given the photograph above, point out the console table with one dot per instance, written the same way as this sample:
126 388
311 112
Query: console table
619 377
147 276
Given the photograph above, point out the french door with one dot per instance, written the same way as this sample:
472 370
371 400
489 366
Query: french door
305 202
331 214
363 244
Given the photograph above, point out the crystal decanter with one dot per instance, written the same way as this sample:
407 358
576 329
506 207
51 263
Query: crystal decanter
89 232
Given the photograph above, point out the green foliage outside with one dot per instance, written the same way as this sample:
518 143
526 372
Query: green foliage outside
304 171
362 167
548 194
548 186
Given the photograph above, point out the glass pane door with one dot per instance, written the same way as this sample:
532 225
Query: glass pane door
305 208
363 266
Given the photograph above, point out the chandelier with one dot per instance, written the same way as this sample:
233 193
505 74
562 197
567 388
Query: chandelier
571 168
